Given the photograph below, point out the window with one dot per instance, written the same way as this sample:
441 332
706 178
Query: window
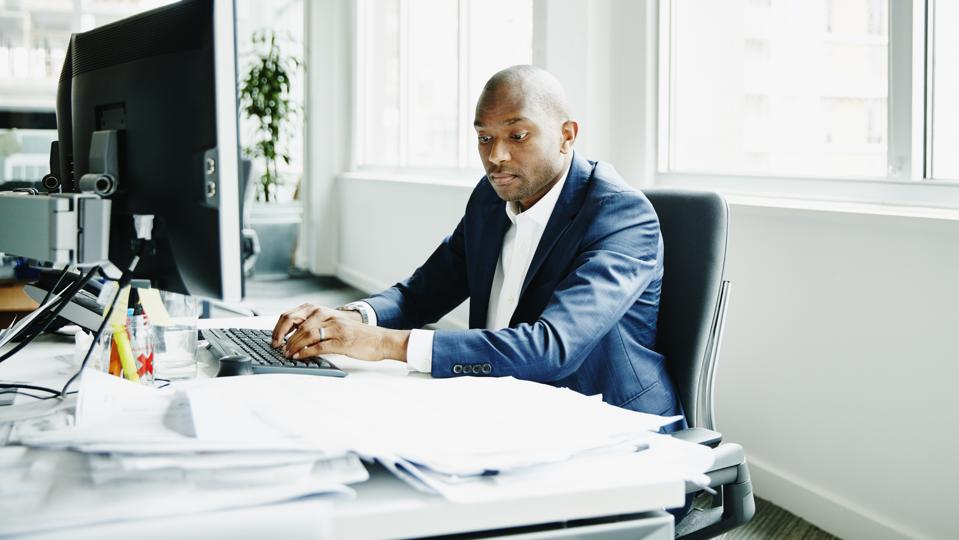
284 20
833 89
944 108
33 40
778 87
422 65
33 43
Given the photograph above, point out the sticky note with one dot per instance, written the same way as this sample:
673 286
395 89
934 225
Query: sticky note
154 308
119 315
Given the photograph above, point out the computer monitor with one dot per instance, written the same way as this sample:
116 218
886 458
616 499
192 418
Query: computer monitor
164 83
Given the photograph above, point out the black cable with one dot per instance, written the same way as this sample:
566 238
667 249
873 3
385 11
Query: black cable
45 319
69 293
34 396
124 280
56 284
28 394
96 340
30 387
29 331
43 316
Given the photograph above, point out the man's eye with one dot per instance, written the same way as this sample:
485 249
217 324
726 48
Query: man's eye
520 136
483 139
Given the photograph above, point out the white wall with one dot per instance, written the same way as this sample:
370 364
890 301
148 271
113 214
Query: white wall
839 367
329 76
396 226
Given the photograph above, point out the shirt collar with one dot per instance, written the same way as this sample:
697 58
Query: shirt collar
539 213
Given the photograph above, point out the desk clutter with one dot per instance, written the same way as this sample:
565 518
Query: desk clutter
210 444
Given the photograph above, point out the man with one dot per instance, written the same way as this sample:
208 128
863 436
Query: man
563 278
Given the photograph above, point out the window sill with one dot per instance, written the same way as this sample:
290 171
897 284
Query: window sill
459 178
838 207
925 200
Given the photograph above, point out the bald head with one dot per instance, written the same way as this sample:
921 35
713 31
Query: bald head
536 87
524 134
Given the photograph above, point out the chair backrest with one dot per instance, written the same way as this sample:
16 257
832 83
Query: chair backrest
692 305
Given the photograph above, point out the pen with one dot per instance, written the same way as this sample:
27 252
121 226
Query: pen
114 359
126 353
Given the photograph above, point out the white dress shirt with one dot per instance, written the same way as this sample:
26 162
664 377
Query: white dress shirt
519 245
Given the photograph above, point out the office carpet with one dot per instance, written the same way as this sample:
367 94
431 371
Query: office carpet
772 522
274 296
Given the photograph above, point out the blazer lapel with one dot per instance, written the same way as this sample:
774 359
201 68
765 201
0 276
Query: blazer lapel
493 229
567 206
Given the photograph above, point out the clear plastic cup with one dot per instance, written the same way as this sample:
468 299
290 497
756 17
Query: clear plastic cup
175 344
141 336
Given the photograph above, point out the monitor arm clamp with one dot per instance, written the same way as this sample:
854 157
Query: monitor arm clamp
65 228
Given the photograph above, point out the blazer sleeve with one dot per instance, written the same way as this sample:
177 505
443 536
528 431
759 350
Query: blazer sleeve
432 291
620 255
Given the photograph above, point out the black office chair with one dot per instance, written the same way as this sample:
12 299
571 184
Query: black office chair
692 311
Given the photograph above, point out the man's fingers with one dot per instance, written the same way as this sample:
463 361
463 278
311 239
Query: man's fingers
289 321
305 337
283 327
311 351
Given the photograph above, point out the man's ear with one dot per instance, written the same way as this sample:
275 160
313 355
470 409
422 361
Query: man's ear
570 130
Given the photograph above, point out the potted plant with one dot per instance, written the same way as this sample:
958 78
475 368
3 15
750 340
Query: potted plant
265 98
267 102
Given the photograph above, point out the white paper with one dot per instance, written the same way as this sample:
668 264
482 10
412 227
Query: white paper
71 501
229 468
664 460
35 408
116 415
206 460
467 426
125 405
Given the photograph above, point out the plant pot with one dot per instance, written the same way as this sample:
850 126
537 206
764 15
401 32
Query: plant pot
277 227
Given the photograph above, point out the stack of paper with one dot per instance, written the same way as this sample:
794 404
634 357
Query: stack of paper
456 437
465 438
137 446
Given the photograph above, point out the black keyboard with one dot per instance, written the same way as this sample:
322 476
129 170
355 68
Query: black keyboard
266 359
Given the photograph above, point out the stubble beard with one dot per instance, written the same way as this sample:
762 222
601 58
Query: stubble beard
524 187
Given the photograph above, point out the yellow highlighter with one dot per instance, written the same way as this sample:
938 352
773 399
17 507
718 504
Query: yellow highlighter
125 352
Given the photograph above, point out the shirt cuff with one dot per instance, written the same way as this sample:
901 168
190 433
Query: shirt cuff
419 351
367 310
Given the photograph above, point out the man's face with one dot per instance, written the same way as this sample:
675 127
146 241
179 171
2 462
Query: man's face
521 146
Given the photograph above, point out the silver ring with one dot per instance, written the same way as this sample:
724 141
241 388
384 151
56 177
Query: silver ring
322 333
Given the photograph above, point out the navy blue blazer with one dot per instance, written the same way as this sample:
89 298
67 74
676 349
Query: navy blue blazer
586 317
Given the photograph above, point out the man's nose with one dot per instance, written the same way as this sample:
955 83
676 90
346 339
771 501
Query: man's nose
498 153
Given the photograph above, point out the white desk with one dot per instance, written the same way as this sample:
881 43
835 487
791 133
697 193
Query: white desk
385 507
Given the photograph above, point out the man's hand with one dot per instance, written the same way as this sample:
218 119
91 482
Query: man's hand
320 330
292 319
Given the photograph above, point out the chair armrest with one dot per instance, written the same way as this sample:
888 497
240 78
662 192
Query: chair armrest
698 435
728 455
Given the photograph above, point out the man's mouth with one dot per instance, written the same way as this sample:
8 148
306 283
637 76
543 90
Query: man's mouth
501 179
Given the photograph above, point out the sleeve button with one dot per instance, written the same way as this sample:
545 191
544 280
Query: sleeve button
457 369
